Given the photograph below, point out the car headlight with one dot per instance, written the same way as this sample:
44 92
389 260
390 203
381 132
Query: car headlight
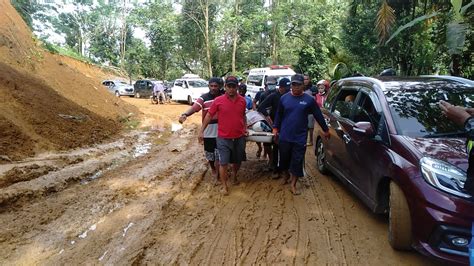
444 176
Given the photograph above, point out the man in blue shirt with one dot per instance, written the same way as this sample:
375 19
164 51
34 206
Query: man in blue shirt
290 126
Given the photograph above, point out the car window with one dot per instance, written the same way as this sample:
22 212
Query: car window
344 103
197 83
179 83
255 80
415 110
331 96
365 111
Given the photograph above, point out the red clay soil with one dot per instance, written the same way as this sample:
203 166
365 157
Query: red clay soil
47 101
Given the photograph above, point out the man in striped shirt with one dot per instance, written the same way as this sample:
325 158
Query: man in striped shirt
210 134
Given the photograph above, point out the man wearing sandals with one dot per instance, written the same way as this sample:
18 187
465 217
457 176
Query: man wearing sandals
290 126
231 132
204 103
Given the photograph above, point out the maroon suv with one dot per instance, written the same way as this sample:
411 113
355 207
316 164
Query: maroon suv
394 149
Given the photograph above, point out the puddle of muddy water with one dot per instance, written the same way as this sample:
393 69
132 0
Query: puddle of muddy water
91 228
142 147
103 255
126 229
175 127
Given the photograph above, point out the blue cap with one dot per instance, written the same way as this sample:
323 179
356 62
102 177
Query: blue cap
284 82
297 78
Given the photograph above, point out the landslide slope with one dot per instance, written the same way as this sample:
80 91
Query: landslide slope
48 101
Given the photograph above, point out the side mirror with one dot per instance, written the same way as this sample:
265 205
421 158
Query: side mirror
364 128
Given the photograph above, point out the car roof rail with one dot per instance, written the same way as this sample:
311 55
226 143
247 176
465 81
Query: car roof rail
464 81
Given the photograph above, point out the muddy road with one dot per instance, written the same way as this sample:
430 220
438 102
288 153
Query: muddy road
148 198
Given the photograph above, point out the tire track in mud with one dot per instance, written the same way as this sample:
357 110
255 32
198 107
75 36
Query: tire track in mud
116 194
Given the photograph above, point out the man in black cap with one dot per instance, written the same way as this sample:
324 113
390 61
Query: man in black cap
203 103
271 102
232 129
290 125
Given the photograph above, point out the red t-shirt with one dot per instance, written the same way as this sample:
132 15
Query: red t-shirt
230 116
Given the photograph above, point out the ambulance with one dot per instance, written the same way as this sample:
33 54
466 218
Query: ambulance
258 76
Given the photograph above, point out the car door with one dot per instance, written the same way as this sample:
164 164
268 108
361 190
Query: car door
369 154
340 124
177 91
148 88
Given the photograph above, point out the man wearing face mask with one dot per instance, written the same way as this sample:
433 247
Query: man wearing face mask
290 126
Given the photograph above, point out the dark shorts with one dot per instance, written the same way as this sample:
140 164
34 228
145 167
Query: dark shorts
231 150
210 149
291 157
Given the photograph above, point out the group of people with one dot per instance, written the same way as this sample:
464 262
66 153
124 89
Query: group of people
224 126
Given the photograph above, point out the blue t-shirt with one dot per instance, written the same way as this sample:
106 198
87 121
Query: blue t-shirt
291 118
249 103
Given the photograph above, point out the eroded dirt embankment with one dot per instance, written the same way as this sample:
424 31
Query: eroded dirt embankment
148 198
47 101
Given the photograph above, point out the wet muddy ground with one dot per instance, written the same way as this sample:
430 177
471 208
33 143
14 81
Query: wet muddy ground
148 198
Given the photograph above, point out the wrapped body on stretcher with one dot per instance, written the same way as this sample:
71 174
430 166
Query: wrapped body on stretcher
258 128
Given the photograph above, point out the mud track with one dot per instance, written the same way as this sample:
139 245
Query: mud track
148 198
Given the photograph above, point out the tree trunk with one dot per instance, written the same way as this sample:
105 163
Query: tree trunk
274 34
456 66
206 36
123 34
235 37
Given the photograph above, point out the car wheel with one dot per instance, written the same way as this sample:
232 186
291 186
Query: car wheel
399 227
190 100
137 95
117 94
321 157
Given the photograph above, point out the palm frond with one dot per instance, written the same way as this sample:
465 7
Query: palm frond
385 21
411 24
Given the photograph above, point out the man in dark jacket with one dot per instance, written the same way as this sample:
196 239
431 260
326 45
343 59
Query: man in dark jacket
271 102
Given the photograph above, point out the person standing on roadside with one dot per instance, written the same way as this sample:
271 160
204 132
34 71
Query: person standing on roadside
203 103
308 89
290 126
463 117
232 129
242 91
271 102
323 88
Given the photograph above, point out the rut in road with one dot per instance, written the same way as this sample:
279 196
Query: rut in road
163 208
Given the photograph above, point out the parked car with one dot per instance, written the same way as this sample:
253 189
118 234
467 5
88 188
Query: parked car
144 87
395 150
188 88
119 87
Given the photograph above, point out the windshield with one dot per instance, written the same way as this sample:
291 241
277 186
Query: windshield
416 113
197 83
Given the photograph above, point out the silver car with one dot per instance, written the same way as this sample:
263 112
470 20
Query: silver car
119 87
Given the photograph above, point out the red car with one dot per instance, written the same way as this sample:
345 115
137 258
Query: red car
394 149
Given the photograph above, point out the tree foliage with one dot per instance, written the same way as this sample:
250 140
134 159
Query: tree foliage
325 39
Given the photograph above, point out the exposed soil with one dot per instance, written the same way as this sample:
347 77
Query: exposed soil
49 102
148 198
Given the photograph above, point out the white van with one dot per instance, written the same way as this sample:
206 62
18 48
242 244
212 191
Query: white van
188 88
258 76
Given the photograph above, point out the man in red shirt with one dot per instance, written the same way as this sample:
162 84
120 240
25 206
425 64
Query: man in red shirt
231 129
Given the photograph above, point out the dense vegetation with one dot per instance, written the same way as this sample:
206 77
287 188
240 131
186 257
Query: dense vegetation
325 38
